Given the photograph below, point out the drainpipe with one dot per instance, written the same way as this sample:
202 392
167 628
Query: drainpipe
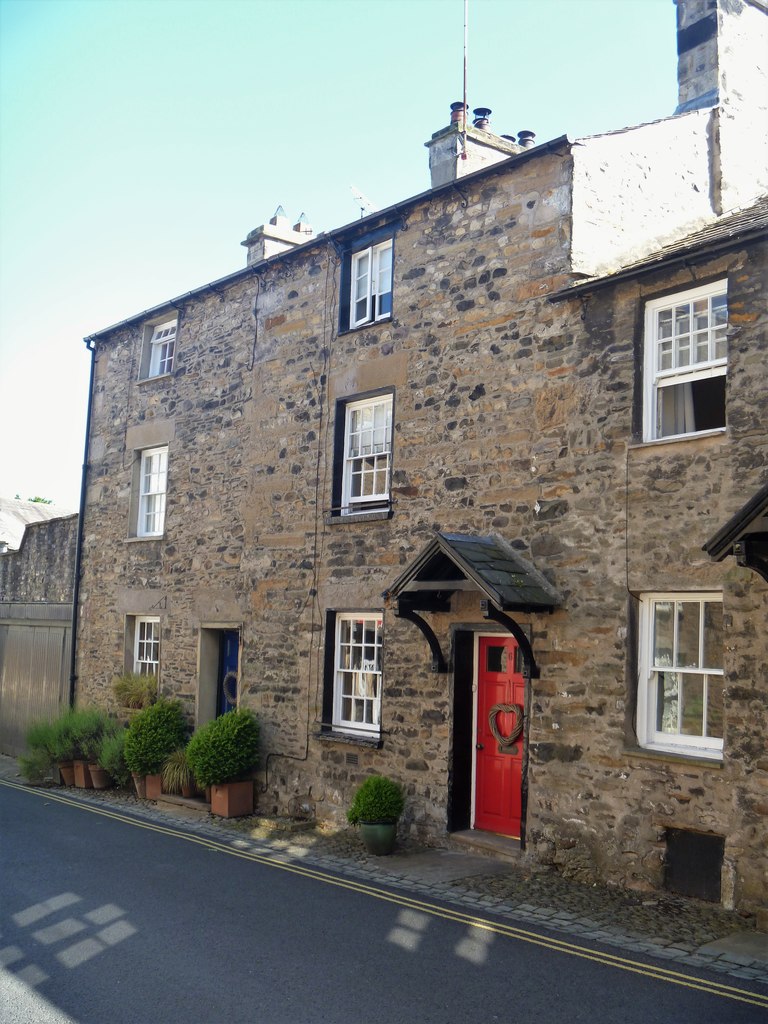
91 346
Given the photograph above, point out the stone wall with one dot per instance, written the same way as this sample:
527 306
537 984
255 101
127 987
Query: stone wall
43 569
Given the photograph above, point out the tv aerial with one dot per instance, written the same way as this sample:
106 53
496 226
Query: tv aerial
365 204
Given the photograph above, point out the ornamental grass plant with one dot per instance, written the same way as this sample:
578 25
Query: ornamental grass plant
133 690
177 774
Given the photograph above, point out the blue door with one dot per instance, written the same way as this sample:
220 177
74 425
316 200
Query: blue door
229 649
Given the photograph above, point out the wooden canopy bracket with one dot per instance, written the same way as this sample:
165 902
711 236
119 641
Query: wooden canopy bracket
490 611
438 661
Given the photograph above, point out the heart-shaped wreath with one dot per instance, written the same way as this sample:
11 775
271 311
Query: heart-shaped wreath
505 742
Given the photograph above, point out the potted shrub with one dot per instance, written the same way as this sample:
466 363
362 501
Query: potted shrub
134 691
64 746
177 774
37 763
88 725
152 735
220 754
376 808
111 758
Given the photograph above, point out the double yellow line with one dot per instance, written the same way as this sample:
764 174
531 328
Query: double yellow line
401 900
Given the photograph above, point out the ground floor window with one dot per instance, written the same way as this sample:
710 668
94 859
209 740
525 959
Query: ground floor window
357 673
146 646
680 691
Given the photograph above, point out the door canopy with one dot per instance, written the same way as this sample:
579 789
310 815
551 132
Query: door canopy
455 561
745 536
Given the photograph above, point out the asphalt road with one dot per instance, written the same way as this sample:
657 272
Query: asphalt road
112 920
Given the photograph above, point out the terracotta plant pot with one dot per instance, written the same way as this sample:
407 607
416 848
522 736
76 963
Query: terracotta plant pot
67 771
188 792
232 799
140 782
154 787
99 777
82 775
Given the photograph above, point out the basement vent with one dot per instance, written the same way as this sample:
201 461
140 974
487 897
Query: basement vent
353 760
693 864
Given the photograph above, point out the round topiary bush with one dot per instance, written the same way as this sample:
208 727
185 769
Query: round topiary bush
379 799
225 748
152 735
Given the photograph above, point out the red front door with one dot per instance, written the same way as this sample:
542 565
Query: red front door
498 766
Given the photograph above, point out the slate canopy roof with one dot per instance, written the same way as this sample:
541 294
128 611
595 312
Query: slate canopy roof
455 561
745 535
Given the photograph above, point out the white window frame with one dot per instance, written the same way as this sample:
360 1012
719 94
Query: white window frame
670 362
162 348
152 488
357 679
146 645
367 455
648 733
370 291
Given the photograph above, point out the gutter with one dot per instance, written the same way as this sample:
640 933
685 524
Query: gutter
80 529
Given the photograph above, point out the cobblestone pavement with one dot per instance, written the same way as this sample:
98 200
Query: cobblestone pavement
658 924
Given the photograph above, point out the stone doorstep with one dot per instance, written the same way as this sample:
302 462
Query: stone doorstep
486 844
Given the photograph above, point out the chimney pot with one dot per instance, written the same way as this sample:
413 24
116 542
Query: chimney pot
526 139
302 225
482 117
458 112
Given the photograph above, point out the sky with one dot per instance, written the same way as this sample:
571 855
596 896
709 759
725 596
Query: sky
141 140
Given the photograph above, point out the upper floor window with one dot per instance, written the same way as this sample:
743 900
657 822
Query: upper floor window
680 693
685 362
153 482
366 276
367 460
371 284
163 347
159 349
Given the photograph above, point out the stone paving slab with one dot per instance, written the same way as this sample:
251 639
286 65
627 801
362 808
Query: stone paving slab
749 945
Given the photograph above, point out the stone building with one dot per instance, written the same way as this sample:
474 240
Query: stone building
37 569
430 492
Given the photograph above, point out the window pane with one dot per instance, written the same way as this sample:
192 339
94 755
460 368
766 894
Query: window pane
688 624
715 706
663 633
692 710
713 635
667 702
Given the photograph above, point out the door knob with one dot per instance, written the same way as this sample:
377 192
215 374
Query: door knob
479 746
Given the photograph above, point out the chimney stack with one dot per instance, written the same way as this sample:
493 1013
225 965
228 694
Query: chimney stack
447 159
722 64
276 237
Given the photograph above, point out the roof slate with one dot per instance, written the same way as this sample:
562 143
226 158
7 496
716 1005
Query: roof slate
498 571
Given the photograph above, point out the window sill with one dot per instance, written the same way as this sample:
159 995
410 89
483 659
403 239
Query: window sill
157 376
678 438
365 326
359 517
331 736
138 540
712 760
